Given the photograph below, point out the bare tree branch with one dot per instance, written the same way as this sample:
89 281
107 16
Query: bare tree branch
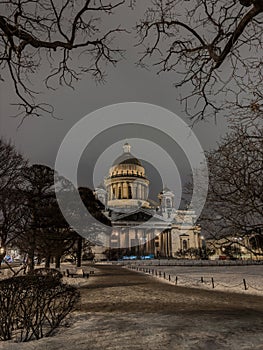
234 206
213 47
63 30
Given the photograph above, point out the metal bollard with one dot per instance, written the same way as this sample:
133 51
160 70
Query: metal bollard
245 284
213 285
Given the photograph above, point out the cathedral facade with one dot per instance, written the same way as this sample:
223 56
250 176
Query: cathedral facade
139 225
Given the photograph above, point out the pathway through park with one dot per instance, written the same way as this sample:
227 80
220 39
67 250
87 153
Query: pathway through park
122 310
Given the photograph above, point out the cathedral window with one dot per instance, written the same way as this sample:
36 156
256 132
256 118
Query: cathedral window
168 203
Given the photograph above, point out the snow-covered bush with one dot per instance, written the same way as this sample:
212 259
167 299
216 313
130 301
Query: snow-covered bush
33 306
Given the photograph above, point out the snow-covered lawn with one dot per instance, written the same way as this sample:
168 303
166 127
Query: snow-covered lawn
226 278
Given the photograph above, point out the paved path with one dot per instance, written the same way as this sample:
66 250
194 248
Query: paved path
164 316
120 289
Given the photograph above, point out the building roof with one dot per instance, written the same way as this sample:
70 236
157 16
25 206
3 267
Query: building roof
127 158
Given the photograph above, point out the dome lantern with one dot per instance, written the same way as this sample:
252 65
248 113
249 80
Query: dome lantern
126 148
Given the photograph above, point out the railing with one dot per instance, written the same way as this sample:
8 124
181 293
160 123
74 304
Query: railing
127 175
190 263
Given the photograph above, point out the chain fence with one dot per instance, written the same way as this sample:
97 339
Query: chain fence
182 280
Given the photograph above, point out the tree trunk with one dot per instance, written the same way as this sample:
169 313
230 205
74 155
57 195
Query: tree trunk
2 254
79 251
31 263
31 252
58 258
47 261
38 260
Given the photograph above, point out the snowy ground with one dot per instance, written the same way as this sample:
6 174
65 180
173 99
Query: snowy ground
226 278
124 310
122 331
5 272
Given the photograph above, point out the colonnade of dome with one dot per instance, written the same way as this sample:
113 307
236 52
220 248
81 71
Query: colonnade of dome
126 181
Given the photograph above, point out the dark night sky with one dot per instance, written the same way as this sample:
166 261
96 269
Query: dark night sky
39 138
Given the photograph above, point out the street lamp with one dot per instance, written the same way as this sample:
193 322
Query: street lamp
203 248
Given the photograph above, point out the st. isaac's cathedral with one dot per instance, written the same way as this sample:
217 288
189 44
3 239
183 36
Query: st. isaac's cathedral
139 224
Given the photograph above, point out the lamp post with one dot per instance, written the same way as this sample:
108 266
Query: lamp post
203 248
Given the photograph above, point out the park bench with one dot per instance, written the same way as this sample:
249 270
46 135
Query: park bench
76 273
48 272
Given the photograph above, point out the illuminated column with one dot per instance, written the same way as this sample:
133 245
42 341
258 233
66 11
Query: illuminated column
115 191
152 242
196 238
135 191
119 191
124 239
148 242
142 192
127 243
125 190
139 189
145 192
170 242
